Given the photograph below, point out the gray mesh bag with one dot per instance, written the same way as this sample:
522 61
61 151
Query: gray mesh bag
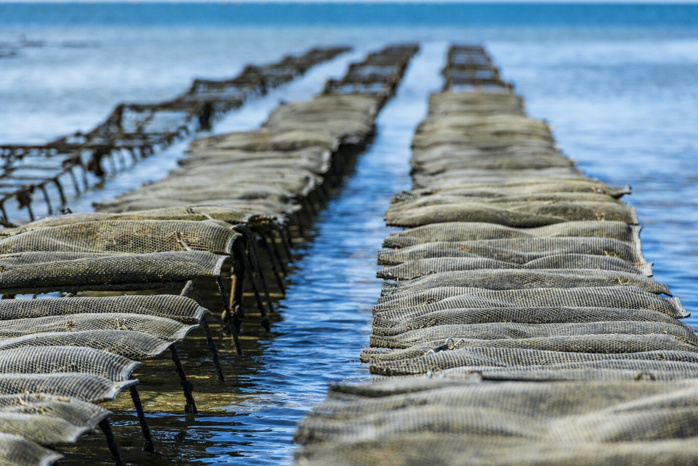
18 451
126 236
618 297
517 250
129 344
51 271
459 231
173 307
438 265
87 387
35 355
523 214
386 323
506 279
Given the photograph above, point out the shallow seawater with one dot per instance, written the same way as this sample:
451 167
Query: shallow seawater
622 100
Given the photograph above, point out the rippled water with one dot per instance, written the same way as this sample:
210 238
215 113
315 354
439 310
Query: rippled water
623 101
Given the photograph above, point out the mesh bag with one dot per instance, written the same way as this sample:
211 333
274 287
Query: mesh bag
47 354
194 195
292 164
513 188
505 279
478 450
507 330
438 265
525 214
159 327
517 250
74 411
55 270
313 159
454 180
350 118
457 231
385 324
267 140
126 236
173 307
260 207
617 297
18 451
41 428
441 158
132 345
498 102
566 399
425 358
407 204
188 213
87 387
605 370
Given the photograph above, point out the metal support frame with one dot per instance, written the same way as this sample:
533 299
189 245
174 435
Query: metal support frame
187 387
105 426
148 445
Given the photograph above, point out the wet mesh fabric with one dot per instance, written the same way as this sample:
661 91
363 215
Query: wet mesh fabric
126 237
438 265
456 231
617 297
517 250
87 387
126 343
522 214
506 279
392 323
68 270
159 327
18 451
171 307
46 354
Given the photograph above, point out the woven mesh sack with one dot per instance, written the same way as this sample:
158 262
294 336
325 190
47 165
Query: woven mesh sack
72 410
18 451
566 399
263 140
619 297
129 344
459 231
55 270
507 330
313 159
126 236
506 187
384 324
406 204
458 449
188 213
420 360
159 327
439 159
517 250
507 279
438 265
178 308
41 428
608 370
87 387
38 356
525 214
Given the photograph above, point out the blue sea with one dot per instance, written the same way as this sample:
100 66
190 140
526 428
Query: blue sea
617 82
